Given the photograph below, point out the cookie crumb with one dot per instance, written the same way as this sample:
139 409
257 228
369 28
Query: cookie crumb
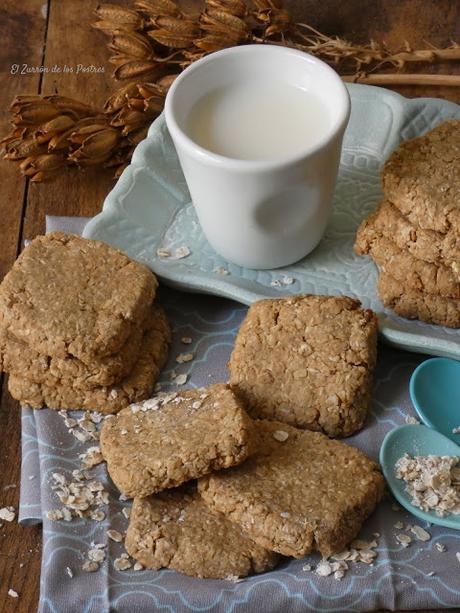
184 357
13 593
122 563
323 569
420 533
90 566
182 252
7 514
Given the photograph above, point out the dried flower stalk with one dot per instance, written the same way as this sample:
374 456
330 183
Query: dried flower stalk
151 42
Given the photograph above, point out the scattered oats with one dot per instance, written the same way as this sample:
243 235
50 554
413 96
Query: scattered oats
233 578
343 555
306 567
163 253
182 252
184 357
339 575
186 340
66 514
138 566
440 547
404 539
196 404
97 515
123 497
420 533
13 593
54 514
433 482
114 535
90 566
97 417
91 457
287 280
126 512
411 420
280 435
220 270
69 571
323 569
121 563
285 514
398 525
456 430
181 379
360 544
96 555
7 513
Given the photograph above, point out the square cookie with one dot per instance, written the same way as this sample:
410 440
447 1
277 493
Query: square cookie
300 492
67 295
176 530
134 387
176 437
307 361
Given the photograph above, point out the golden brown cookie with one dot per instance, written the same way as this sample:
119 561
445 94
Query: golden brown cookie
413 304
67 295
172 438
307 361
427 245
300 492
176 530
415 274
137 386
422 179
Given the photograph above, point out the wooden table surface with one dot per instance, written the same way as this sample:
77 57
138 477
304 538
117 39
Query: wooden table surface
49 32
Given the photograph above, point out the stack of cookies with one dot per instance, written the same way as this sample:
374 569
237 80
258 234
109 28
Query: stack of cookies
79 328
283 491
414 235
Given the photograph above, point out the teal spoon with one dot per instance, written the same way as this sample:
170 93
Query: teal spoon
415 440
435 393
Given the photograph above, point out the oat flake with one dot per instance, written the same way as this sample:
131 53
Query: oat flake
280 435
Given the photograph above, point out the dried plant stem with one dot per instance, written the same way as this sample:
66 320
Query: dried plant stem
404 79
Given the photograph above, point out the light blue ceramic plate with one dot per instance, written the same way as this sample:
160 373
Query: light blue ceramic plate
415 440
435 393
150 208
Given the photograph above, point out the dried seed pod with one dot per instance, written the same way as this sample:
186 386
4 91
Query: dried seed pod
137 136
44 162
171 39
60 141
136 103
24 100
80 135
97 145
220 21
118 99
54 126
147 90
164 83
43 176
213 42
132 44
136 68
234 7
280 22
119 60
19 149
119 15
15 135
69 104
153 8
35 113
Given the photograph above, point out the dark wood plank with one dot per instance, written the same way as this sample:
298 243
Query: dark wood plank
22 31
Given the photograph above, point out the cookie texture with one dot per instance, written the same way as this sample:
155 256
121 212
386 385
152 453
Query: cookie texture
300 492
307 361
400 264
422 179
20 359
175 437
176 530
413 304
427 245
67 295
137 386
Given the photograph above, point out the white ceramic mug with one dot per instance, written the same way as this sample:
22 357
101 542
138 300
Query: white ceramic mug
270 213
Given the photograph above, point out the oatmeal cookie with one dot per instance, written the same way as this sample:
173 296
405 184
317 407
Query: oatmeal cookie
413 304
175 437
422 179
137 386
67 295
300 492
176 530
307 361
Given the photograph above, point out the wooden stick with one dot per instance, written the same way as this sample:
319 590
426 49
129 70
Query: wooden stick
404 79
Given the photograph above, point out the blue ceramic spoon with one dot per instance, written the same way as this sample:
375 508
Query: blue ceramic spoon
435 393
415 440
